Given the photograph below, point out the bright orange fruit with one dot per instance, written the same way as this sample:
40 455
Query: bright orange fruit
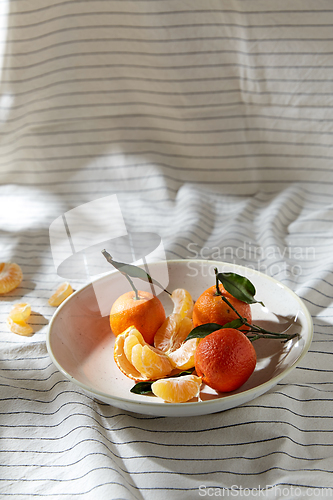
146 314
225 359
10 276
177 389
210 308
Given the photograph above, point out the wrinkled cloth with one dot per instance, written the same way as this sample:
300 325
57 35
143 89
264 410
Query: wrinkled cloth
212 123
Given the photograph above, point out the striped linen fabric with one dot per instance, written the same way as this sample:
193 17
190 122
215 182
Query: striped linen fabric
212 122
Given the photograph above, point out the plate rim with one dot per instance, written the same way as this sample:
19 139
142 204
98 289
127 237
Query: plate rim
194 404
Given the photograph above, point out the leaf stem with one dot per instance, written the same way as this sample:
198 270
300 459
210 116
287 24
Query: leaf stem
218 291
253 329
109 259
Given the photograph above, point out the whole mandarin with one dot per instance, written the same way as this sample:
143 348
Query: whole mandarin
225 359
210 308
146 314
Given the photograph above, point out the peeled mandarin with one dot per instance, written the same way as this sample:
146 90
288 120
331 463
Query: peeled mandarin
122 360
10 276
177 389
62 292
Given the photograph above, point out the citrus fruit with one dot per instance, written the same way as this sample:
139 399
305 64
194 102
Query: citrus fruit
225 359
137 359
20 312
146 314
150 363
177 389
183 357
210 308
183 302
62 292
19 327
172 332
122 360
10 276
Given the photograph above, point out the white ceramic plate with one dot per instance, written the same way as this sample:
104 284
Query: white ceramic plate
80 342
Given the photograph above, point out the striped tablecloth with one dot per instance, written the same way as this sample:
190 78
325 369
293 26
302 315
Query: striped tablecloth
212 122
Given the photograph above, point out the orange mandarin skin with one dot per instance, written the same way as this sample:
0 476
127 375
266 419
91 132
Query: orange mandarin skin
146 314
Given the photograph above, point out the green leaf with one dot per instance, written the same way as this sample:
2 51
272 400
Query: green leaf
145 387
236 323
183 373
132 271
239 287
202 331
141 388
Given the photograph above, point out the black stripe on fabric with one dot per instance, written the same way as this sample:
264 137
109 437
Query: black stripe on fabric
157 27
176 119
203 145
160 457
179 131
172 12
185 40
186 54
120 470
199 459
116 428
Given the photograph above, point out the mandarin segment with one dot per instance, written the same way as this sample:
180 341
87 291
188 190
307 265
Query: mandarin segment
165 335
123 363
19 327
62 292
183 357
10 276
185 328
129 343
150 363
183 302
173 332
20 312
177 389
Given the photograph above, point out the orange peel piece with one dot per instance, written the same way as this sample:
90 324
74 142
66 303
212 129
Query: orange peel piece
177 389
10 276
62 292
